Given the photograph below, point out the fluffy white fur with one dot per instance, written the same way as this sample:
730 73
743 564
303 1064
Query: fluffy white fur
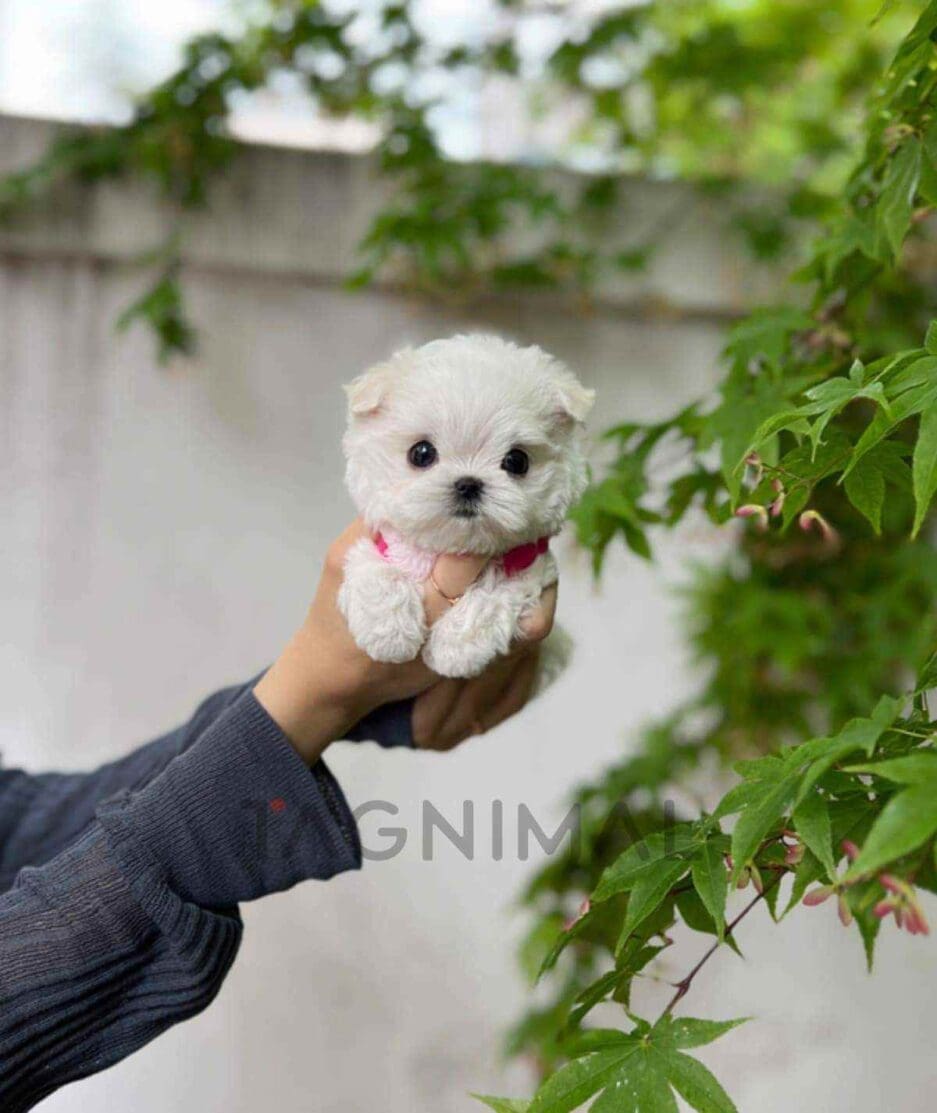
475 398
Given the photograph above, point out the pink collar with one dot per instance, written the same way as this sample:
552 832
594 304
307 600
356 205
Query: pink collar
515 560
521 558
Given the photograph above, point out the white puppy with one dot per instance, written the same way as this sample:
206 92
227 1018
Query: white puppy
470 444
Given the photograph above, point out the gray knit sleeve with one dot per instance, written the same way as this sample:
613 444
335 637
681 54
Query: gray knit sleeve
41 814
133 927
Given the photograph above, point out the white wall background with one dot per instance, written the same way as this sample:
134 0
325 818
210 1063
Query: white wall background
161 536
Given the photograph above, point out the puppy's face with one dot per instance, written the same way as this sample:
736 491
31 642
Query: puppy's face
466 445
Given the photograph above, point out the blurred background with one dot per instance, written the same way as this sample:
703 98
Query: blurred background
93 56
163 527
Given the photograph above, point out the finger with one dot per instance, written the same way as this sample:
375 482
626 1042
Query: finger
335 557
538 622
476 699
431 711
452 573
515 696
463 719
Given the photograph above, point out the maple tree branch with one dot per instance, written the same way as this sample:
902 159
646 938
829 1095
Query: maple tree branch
683 986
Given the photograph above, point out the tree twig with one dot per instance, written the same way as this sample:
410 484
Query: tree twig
683 986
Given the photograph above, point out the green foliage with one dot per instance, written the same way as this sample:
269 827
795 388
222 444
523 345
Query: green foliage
503 1105
717 93
807 120
161 308
639 1069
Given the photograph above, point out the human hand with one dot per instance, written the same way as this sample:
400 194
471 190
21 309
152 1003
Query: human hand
450 711
323 683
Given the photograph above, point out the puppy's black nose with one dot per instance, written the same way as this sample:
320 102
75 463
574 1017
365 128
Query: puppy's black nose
469 488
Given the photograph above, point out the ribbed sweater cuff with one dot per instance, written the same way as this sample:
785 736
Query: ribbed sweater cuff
388 726
235 817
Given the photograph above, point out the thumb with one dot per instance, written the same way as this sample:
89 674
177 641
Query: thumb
453 573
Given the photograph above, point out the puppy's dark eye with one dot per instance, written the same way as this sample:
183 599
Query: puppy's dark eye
517 462
422 454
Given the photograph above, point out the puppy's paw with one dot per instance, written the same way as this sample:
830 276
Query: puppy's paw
450 657
382 606
475 631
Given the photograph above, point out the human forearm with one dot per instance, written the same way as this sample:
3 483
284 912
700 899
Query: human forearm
42 813
133 927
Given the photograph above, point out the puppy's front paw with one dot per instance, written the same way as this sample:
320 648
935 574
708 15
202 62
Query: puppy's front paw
448 656
470 635
382 606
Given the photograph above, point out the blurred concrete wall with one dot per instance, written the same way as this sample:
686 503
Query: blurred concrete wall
161 534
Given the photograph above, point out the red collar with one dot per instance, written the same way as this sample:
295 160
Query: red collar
515 560
521 558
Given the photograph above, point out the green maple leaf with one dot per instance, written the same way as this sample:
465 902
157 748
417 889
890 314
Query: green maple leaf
907 821
812 822
925 466
711 880
639 1071
503 1105
646 859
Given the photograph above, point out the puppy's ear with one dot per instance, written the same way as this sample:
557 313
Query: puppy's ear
368 391
574 400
